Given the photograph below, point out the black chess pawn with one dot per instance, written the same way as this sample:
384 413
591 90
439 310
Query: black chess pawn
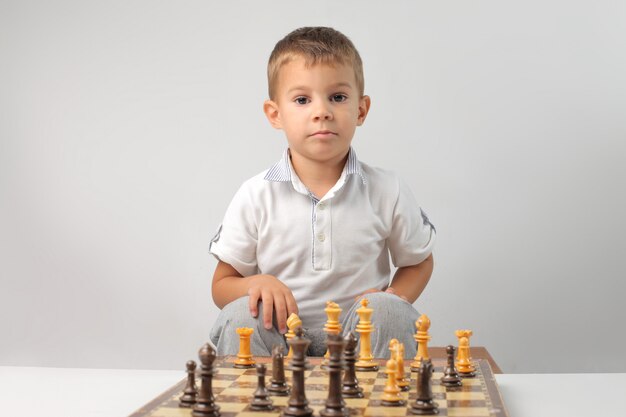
261 400
190 393
451 377
298 405
278 383
205 404
424 404
350 387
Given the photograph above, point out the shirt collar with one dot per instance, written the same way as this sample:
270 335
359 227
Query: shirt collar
281 170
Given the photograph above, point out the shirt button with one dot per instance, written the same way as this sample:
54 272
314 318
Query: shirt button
321 206
321 237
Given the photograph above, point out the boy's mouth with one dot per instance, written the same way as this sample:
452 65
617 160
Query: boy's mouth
323 133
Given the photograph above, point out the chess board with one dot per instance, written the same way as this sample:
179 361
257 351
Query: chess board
233 390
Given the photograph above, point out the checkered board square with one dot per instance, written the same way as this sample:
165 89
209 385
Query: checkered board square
233 390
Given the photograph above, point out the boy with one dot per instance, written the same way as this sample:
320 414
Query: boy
319 225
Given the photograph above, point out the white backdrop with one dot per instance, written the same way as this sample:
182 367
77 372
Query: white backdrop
126 127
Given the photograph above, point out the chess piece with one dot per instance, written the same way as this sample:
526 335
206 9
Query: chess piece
298 405
364 328
391 394
190 392
244 357
335 406
261 400
332 326
205 404
278 384
424 404
293 322
463 359
451 377
397 353
421 337
350 386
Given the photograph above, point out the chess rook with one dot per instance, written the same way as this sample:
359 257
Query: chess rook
244 357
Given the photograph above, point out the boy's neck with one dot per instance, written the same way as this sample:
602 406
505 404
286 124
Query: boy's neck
318 177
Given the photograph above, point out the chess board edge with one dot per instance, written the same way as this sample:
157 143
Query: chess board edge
149 407
497 403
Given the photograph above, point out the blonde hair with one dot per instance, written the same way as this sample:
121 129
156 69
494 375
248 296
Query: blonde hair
317 45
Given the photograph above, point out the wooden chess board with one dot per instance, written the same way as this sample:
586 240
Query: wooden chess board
233 390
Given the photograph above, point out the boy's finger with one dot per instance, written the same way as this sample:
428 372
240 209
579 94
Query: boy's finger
281 318
253 302
268 307
292 306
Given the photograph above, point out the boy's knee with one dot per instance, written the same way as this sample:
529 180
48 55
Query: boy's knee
392 318
240 303
382 298
237 314
390 309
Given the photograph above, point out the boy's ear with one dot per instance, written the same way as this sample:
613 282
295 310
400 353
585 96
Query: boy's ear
270 108
364 108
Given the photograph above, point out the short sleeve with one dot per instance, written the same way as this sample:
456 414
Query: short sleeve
236 239
412 236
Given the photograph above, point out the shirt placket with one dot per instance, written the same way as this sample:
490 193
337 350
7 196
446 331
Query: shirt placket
322 236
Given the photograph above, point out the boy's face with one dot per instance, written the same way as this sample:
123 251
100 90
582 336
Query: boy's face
319 109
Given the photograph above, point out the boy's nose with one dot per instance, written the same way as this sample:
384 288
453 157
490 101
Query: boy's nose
322 112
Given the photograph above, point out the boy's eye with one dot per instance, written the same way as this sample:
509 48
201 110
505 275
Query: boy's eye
301 100
339 97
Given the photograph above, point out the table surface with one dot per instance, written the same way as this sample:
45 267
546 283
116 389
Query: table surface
69 392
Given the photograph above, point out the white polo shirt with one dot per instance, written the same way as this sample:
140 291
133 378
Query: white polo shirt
329 249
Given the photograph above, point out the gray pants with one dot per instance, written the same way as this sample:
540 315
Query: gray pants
392 318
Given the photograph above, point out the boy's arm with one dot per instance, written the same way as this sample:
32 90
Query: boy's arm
409 281
229 285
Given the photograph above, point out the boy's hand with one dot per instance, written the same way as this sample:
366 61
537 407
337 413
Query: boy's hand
275 296
389 290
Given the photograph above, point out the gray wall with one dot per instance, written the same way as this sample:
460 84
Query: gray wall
125 129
